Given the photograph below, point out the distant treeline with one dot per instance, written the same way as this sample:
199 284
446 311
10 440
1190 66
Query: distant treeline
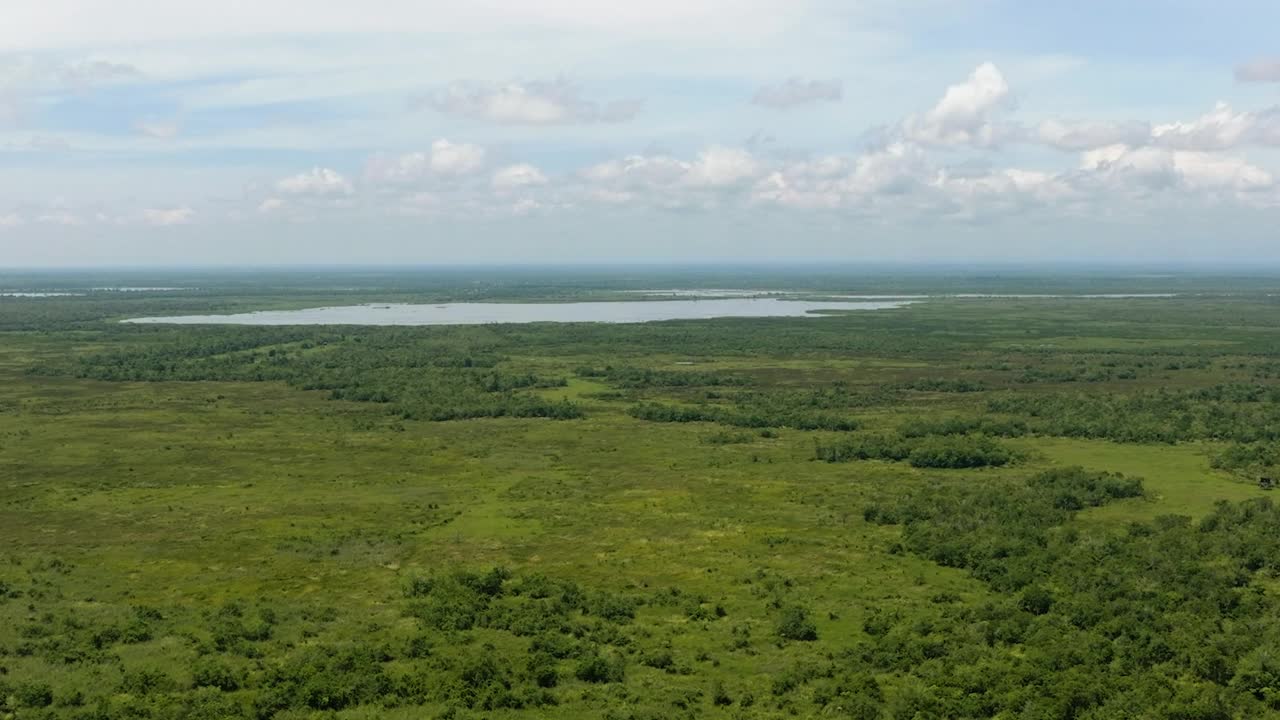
417 377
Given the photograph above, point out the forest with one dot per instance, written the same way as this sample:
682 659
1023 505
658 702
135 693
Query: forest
968 507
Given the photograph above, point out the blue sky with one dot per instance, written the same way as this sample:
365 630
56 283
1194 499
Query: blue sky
388 131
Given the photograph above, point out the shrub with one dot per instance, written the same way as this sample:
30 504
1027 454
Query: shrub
1036 600
595 668
794 624
215 672
33 694
542 670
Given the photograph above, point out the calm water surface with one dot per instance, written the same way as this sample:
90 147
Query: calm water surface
483 313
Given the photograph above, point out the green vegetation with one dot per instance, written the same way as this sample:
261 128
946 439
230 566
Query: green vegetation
927 451
966 508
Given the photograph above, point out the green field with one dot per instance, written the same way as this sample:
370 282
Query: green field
640 521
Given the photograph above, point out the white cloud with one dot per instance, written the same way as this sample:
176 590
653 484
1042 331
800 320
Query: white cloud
318 182
966 113
900 181
524 206
166 217
893 170
719 167
1075 136
795 92
787 190
11 220
637 171
713 175
1153 168
517 176
1260 70
534 103
444 159
449 158
270 205
1219 129
1209 171
1004 191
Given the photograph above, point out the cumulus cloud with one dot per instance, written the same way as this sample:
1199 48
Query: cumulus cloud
444 159
900 178
1077 136
792 190
319 182
166 217
1221 129
719 167
1155 168
449 158
636 171
893 170
903 179
966 114
982 195
1262 70
514 177
796 92
713 176
270 205
558 102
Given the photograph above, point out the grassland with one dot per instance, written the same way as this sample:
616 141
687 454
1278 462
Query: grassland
158 532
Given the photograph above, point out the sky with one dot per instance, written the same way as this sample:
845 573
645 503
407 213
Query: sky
189 132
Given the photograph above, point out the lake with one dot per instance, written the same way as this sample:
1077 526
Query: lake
486 313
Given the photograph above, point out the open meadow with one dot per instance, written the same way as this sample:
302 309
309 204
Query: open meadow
965 507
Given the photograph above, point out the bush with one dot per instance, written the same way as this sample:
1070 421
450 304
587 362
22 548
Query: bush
542 670
325 678
1036 601
33 695
959 452
595 668
216 673
145 682
794 624
928 451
